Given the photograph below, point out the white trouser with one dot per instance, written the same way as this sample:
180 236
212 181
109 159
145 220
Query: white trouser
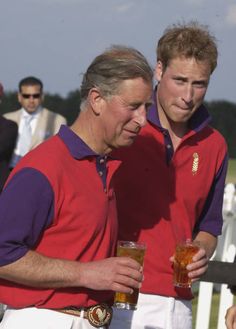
154 312
35 318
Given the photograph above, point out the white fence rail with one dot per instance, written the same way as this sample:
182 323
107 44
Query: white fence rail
225 252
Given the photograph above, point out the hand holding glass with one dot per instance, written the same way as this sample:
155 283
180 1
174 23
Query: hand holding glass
184 253
136 251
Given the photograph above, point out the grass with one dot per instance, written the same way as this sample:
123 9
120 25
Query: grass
214 311
231 174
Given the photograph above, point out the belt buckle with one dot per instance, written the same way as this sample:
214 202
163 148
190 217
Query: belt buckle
99 315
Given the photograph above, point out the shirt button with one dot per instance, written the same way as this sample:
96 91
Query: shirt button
100 173
168 146
102 160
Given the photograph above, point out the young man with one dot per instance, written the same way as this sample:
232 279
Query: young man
170 185
58 210
35 122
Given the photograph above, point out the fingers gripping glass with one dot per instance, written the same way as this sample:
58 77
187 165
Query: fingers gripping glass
135 250
35 96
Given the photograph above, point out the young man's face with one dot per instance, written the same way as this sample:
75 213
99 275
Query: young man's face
124 114
182 88
30 98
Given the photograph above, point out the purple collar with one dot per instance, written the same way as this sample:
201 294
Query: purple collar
77 147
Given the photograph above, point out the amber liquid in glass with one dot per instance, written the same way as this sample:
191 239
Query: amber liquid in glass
122 300
183 256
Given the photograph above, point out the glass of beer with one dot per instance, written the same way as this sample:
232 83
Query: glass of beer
135 250
184 253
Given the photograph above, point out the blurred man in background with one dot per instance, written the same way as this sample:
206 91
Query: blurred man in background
35 122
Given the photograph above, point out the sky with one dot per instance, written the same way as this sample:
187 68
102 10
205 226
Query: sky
56 40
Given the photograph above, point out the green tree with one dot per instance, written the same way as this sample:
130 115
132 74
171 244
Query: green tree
72 106
224 120
9 102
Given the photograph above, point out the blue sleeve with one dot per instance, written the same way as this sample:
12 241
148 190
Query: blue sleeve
211 220
26 210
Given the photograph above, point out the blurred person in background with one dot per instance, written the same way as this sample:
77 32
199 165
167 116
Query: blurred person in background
35 122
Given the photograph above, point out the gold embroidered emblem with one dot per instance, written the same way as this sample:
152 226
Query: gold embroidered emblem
195 163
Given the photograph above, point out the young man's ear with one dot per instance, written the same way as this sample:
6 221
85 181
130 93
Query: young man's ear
95 100
159 70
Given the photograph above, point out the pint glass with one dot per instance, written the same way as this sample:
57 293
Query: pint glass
184 253
136 251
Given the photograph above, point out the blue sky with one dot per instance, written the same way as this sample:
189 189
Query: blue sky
56 40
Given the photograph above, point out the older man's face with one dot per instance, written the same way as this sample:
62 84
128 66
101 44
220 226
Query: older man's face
124 114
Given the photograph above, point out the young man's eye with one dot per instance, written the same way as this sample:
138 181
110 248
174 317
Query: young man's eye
201 84
179 81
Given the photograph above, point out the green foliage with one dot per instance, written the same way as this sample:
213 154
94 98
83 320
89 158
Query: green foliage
72 107
68 107
224 119
231 174
9 102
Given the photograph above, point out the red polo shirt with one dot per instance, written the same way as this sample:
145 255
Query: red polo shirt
59 201
164 196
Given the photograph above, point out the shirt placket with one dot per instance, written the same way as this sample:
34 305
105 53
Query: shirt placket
102 170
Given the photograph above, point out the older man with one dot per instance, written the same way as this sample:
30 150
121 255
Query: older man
58 210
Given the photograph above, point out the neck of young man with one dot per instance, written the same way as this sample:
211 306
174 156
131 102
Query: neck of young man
176 130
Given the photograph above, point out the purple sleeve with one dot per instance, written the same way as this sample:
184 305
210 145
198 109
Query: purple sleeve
211 220
26 210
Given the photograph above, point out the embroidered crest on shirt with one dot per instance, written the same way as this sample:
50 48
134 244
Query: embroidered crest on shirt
195 163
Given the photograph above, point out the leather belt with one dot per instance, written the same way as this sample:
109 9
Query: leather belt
98 315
